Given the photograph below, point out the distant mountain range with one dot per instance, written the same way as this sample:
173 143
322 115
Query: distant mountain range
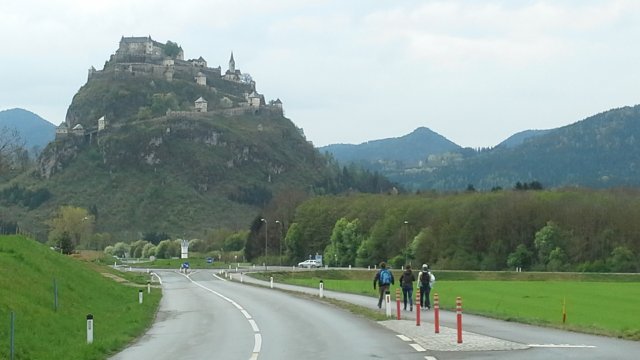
34 130
410 150
600 151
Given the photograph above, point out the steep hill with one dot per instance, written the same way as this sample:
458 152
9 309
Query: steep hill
405 151
34 130
140 151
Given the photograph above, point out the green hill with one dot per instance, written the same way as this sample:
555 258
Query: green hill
29 270
139 152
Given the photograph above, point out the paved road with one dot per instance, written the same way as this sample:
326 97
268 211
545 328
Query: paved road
206 317
485 338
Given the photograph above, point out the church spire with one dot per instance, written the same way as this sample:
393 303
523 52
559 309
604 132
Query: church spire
232 64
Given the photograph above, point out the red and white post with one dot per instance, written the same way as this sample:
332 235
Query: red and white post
436 312
398 301
459 318
418 307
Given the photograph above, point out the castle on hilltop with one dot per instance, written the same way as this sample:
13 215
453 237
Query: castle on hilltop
143 57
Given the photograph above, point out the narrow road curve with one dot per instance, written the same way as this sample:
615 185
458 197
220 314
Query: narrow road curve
204 317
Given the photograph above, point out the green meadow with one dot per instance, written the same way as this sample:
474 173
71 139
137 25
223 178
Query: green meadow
28 271
605 304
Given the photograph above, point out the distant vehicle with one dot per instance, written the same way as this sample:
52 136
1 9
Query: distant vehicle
310 264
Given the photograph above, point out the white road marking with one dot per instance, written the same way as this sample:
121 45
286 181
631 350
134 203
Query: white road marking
254 325
430 358
218 277
560 346
403 338
418 347
257 342
158 276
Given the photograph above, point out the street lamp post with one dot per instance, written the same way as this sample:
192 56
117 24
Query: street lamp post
406 243
266 236
280 240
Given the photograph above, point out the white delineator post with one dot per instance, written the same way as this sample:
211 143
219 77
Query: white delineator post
184 246
140 296
148 287
321 289
271 282
387 302
242 277
89 329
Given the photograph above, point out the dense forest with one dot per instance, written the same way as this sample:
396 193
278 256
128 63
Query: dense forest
557 230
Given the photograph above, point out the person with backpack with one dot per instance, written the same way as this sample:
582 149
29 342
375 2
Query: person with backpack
384 279
425 281
406 281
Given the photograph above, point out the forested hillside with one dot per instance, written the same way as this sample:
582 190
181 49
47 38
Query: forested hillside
600 152
569 229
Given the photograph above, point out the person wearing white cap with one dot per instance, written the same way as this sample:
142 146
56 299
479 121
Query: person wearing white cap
425 281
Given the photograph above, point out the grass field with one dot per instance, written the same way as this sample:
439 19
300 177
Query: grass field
27 273
595 303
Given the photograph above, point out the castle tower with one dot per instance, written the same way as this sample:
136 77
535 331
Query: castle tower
232 64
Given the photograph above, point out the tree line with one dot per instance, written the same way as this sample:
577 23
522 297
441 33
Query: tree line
558 230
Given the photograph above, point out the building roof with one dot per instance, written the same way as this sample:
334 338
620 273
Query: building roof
200 100
135 39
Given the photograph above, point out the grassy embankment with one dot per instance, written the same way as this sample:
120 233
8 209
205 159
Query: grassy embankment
28 270
603 304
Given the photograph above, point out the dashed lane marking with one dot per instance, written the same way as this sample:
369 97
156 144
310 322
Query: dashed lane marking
403 338
430 358
257 337
560 346
417 347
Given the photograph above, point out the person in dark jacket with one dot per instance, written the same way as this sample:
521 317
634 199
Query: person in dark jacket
425 281
384 279
406 281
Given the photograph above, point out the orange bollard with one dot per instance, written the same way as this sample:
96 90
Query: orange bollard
398 301
418 308
436 312
459 318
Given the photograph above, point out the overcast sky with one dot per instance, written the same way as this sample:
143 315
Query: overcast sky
473 71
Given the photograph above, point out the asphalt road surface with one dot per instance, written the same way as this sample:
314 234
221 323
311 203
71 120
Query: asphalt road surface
206 317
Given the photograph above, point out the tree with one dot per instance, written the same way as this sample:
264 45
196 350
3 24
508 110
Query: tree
121 249
557 260
172 49
546 240
622 260
520 258
10 145
345 241
75 221
294 242
63 242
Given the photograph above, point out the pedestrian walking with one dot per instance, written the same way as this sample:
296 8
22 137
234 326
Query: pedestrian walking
406 281
384 279
425 281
